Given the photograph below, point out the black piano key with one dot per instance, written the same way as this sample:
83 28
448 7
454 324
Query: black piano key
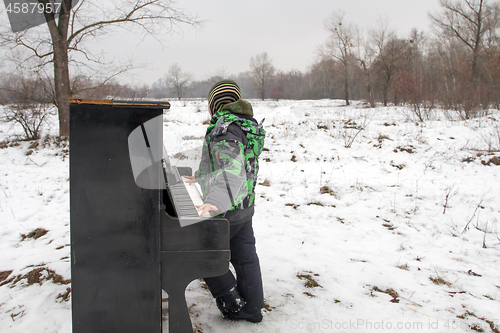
182 201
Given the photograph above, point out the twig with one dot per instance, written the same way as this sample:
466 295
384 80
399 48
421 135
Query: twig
28 158
475 211
484 236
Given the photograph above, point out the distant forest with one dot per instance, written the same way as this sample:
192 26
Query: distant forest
457 67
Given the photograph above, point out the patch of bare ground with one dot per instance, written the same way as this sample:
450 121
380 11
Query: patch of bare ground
391 292
36 275
310 282
35 234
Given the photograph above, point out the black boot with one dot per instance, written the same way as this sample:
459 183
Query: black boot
231 302
242 315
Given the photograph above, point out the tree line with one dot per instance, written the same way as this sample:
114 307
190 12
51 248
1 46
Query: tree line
456 67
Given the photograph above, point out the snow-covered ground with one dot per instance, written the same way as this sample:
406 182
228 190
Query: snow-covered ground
397 232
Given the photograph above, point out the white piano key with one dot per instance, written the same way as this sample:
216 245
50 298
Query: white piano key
193 192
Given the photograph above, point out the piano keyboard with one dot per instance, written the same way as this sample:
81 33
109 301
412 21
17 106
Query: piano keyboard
194 192
186 198
183 195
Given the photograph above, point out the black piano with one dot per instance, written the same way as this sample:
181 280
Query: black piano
134 230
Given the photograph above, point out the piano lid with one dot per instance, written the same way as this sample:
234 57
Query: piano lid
146 154
122 103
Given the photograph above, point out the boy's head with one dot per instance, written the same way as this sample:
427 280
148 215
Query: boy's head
223 92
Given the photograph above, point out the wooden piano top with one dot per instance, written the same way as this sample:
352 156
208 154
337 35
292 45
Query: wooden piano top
122 103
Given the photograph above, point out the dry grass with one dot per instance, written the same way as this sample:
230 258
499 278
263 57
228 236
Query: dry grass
35 234
316 203
265 183
294 206
267 307
180 156
37 275
404 267
4 275
191 137
64 296
439 281
325 189
390 292
310 282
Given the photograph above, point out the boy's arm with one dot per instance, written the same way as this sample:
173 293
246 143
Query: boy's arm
228 181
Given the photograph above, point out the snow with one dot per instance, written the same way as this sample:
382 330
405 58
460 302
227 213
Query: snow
379 226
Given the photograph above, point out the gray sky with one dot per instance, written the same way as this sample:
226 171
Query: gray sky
288 30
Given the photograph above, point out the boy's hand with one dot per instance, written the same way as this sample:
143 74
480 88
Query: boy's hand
203 210
190 179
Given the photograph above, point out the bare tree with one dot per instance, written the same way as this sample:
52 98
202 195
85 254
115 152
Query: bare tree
322 76
26 103
262 71
72 29
468 21
177 80
366 54
390 57
216 76
340 45
414 82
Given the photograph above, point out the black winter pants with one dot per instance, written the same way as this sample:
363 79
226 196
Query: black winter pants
246 265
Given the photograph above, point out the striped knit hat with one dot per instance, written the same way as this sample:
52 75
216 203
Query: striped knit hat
222 93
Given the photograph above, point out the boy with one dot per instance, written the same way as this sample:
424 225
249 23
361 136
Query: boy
228 175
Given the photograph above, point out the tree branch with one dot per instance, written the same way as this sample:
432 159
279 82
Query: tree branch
164 13
459 11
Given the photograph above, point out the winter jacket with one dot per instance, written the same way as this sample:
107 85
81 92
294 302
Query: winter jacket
229 166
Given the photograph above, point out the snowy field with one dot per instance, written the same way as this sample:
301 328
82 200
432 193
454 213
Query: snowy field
366 221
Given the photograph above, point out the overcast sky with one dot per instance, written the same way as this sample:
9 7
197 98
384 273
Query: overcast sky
290 31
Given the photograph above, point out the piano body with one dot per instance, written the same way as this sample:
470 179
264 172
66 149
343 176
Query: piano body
127 242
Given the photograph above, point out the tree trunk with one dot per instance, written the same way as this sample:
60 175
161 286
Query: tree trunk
370 91
368 84
59 35
385 92
346 93
263 89
346 86
62 86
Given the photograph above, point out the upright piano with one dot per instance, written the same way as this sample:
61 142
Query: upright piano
132 227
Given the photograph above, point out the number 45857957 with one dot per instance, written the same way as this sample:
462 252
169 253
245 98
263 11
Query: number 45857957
32 7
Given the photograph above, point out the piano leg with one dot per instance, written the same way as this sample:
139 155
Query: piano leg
178 314
178 270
